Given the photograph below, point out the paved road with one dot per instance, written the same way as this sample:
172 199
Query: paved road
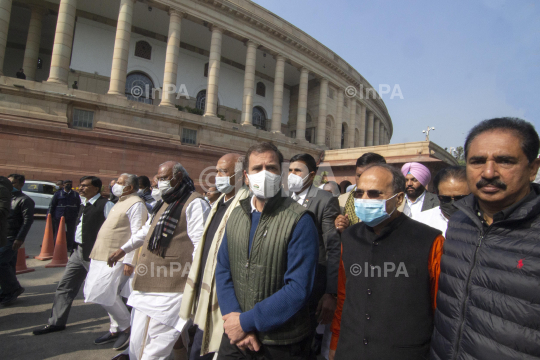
86 321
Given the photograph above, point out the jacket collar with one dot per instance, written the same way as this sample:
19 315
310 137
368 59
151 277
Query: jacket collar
271 204
526 210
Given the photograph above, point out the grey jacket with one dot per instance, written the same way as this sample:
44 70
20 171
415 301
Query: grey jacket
5 208
325 207
430 201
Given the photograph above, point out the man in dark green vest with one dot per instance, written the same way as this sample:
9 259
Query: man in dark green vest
266 267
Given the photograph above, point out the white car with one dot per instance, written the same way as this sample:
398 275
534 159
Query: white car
41 192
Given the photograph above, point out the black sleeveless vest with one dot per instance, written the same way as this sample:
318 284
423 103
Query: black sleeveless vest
93 218
387 314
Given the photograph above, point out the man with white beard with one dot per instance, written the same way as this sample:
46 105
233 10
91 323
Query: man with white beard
104 284
168 244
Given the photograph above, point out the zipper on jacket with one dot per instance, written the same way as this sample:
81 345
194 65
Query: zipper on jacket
467 292
249 252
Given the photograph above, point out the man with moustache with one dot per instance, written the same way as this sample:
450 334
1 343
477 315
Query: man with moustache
417 199
488 300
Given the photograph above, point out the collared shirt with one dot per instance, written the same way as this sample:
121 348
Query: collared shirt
414 208
300 198
253 208
504 213
434 218
106 210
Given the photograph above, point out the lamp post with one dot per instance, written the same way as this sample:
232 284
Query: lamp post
427 132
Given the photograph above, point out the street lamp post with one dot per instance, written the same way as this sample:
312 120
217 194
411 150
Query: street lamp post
427 132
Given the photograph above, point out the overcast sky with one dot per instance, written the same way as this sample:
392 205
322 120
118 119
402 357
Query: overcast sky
456 62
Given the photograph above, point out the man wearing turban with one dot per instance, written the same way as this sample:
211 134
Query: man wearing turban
417 198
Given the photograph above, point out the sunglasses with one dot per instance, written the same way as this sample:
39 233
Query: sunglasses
372 194
447 199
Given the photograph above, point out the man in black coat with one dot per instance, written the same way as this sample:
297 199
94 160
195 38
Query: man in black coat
302 170
5 208
65 202
20 220
488 305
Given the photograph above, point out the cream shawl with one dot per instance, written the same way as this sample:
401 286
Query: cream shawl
205 312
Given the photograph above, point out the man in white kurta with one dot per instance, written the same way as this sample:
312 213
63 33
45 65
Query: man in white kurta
155 323
103 283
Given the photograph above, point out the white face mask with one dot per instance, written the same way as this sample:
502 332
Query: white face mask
165 186
264 184
223 184
156 194
296 183
117 190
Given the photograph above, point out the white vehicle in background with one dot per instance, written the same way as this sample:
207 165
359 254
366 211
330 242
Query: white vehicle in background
41 192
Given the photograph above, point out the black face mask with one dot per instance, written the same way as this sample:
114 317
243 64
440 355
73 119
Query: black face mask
448 209
67 188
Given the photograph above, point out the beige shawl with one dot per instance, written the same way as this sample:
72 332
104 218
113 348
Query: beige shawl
205 311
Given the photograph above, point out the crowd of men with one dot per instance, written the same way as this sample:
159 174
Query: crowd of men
263 268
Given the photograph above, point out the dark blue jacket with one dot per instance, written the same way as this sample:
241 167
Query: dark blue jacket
488 304
65 204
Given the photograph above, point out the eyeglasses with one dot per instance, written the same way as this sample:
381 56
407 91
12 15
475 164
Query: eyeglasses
447 199
372 194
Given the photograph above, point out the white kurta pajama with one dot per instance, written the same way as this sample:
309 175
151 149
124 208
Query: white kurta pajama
104 284
156 325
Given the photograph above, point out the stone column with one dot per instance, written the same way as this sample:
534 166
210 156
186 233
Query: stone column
369 135
121 48
171 59
321 125
31 52
376 129
63 39
302 104
5 15
249 82
214 64
362 125
381 135
277 109
352 121
339 119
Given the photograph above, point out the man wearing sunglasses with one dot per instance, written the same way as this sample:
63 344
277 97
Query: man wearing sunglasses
488 306
388 276
451 186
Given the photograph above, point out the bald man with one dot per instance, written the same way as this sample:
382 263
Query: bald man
200 299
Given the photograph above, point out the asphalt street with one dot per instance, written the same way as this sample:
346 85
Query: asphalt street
86 321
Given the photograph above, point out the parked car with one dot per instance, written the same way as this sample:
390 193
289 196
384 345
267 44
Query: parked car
41 192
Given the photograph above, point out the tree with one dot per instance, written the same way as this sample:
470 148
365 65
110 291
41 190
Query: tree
460 155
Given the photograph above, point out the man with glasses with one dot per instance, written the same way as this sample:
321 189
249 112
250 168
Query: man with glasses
388 275
451 186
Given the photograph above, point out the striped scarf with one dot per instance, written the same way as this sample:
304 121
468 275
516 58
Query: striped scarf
163 231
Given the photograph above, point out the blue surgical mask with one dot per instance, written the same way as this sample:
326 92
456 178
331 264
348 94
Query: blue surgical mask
372 212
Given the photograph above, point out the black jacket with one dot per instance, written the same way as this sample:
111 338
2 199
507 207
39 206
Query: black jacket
488 304
21 216
5 208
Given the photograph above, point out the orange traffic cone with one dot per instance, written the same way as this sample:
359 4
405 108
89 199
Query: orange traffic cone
47 246
60 258
21 262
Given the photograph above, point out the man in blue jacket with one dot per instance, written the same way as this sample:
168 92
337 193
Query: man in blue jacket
65 202
266 267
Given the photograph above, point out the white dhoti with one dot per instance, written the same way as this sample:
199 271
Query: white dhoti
155 325
103 286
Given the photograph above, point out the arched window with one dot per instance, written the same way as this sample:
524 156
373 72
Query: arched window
139 87
329 132
259 118
201 100
143 50
344 136
261 89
